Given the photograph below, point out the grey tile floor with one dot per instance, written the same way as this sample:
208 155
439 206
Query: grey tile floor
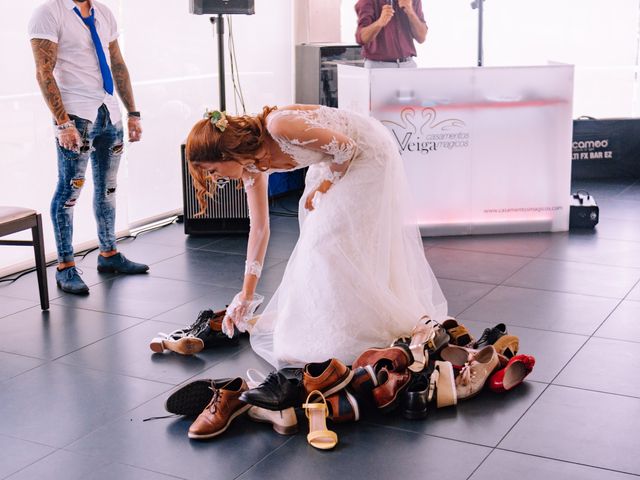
76 383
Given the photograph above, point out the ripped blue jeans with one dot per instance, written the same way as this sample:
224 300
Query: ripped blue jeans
102 142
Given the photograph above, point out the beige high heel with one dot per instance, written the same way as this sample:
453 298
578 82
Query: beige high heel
442 385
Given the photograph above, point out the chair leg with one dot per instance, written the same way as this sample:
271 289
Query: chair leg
41 263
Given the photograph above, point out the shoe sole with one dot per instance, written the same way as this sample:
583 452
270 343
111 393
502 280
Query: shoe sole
74 292
191 399
235 414
281 429
184 346
339 386
115 270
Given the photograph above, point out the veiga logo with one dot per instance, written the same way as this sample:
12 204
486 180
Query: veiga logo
590 144
422 132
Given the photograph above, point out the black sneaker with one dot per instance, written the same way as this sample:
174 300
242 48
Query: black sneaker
277 392
490 336
190 399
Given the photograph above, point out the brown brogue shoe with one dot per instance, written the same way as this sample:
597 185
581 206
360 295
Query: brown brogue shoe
224 406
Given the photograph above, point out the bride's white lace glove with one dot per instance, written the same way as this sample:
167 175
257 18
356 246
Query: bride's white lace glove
239 313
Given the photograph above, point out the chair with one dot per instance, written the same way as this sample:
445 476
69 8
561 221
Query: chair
16 219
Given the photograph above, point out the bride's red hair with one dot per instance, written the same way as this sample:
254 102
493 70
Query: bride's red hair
243 137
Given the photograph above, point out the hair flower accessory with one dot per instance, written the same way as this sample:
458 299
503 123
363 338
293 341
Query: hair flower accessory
217 118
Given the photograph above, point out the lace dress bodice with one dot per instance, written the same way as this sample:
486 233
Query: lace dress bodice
309 137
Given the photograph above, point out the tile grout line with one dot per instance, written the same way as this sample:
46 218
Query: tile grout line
495 286
567 461
265 457
557 375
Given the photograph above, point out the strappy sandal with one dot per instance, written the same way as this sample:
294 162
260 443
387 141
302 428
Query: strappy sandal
319 436
428 337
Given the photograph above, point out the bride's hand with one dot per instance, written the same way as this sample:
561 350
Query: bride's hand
313 199
239 313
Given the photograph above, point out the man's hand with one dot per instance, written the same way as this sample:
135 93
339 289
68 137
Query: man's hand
134 127
406 6
70 139
386 15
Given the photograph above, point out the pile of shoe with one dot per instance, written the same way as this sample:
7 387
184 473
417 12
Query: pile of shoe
205 332
438 364
271 399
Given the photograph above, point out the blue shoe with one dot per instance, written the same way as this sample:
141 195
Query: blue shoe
69 280
118 263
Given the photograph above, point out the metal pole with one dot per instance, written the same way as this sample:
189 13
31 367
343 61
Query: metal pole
220 34
480 32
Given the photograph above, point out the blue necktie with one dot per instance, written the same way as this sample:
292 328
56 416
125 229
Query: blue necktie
107 79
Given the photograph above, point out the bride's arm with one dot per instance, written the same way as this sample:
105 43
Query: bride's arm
244 304
256 185
305 131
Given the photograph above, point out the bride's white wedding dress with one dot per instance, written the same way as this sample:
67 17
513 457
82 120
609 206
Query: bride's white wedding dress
358 276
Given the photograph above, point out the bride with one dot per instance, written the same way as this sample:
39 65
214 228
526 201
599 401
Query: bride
358 276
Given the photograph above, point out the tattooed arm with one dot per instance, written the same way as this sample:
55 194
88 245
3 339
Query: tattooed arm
121 77
45 53
123 85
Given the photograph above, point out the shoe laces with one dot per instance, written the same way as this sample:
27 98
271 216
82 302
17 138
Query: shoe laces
271 383
215 399
466 374
71 272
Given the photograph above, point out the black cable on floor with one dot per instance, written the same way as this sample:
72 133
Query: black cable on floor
82 254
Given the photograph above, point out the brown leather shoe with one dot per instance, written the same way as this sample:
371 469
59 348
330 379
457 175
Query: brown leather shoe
221 410
327 377
390 385
395 359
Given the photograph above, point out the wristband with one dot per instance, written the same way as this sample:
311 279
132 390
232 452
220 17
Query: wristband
65 125
133 114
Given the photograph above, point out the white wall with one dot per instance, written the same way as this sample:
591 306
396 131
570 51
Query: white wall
599 36
172 58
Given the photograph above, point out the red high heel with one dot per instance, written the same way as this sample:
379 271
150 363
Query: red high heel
513 374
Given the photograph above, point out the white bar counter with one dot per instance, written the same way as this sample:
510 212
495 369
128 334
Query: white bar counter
486 149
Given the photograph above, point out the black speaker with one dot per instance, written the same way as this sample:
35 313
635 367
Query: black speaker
583 212
222 7
608 148
227 211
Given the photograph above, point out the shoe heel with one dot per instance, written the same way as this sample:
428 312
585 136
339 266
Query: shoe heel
157 345
445 388
106 269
